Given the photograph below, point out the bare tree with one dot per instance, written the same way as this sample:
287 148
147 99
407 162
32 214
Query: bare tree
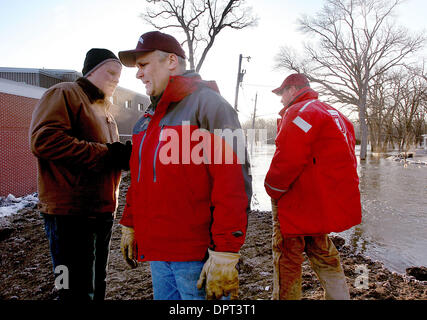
357 41
270 125
200 20
410 100
396 113
380 113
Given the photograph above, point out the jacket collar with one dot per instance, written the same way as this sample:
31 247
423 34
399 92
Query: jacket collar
302 95
92 91
179 87
154 102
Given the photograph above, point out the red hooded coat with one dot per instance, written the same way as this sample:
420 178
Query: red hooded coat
178 204
313 174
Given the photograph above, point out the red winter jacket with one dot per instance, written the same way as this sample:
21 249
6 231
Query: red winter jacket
313 174
178 202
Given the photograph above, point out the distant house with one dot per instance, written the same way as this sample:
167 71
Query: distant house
20 90
127 109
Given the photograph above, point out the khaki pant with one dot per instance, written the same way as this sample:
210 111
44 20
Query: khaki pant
288 258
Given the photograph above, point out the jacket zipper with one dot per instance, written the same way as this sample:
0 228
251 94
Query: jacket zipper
155 155
139 154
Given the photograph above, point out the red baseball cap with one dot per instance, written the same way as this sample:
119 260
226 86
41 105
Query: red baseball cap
150 41
296 79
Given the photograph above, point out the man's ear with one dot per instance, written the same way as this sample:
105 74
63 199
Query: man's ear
293 90
173 63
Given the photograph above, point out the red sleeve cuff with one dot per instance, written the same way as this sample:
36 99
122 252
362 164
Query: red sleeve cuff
274 193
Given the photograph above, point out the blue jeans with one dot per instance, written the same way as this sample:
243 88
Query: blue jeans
177 280
81 244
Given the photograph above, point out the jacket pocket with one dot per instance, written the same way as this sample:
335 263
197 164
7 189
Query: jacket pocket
156 153
139 156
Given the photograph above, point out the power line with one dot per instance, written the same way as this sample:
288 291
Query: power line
268 114
258 85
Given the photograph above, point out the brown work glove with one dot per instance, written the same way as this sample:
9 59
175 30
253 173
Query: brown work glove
220 275
127 246
119 154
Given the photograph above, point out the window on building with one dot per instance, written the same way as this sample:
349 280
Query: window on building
128 104
140 107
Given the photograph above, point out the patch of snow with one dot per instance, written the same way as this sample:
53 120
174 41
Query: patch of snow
11 204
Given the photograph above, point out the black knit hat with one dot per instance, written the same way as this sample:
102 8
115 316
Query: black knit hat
95 58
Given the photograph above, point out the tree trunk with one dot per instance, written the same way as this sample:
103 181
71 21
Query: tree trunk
363 133
191 52
362 119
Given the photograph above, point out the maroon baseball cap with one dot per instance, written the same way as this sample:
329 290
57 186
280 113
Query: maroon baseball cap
150 41
296 79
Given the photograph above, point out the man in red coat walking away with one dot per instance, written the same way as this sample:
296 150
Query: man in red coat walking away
314 187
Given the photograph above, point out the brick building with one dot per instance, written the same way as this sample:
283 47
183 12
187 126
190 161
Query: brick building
20 90
18 168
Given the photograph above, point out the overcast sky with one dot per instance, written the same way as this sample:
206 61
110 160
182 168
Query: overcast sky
57 34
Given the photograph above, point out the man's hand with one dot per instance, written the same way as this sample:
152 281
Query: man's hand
220 275
127 246
119 154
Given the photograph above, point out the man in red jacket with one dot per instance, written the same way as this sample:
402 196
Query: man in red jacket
314 187
186 209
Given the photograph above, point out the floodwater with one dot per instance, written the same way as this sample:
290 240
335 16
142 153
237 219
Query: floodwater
394 209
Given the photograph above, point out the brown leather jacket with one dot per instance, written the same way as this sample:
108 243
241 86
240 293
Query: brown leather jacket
68 132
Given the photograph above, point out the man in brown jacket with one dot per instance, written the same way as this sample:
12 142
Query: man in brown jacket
80 158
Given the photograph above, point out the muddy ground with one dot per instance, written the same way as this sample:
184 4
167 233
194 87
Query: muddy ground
26 271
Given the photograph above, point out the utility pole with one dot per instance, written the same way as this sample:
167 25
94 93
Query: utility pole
240 74
253 118
253 123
